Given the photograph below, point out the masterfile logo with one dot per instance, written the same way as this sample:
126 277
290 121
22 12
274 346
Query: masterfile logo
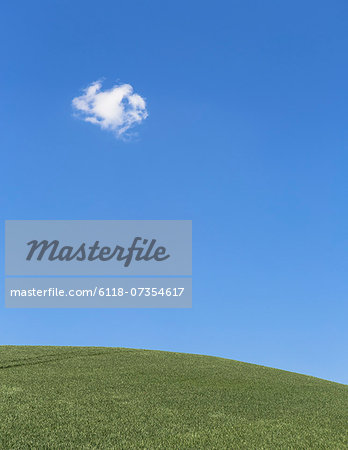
99 264
95 247
139 251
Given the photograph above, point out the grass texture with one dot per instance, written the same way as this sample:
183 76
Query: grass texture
105 398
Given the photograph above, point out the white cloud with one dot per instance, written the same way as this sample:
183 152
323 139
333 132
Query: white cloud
116 109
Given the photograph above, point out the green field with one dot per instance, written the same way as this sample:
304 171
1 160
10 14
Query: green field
91 397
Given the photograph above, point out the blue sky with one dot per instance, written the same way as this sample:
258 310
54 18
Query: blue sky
246 135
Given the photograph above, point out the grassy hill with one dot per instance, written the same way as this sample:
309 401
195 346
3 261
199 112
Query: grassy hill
71 397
